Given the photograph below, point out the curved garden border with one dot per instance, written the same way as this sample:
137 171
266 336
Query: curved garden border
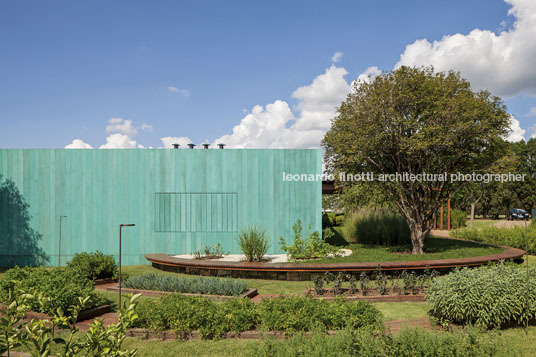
305 271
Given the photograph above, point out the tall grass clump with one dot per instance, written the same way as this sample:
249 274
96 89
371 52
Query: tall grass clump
211 286
489 296
254 243
378 226
511 237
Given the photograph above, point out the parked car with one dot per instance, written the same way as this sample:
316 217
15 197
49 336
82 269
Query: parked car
518 213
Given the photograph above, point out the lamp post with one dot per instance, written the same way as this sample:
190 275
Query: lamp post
120 228
59 244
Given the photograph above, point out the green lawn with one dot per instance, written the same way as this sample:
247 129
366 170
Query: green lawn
435 248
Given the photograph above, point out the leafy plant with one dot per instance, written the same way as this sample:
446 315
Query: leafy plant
306 248
488 296
364 283
319 285
376 226
60 287
337 284
254 243
352 284
209 252
381 281
208 285
95 265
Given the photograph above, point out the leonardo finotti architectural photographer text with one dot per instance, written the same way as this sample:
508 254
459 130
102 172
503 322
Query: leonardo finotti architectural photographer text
408 177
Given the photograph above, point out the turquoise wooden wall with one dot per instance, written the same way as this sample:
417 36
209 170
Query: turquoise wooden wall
179 199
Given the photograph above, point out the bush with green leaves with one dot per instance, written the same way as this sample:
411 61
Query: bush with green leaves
363 343
185 314
254 243
489 296
300 313
376 226
61 287
511 237
328 219
95 265
307 248
200 285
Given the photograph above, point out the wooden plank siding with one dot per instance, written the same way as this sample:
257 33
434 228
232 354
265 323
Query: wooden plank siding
179 199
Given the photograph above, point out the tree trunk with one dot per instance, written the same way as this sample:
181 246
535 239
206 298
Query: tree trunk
473 204
417 239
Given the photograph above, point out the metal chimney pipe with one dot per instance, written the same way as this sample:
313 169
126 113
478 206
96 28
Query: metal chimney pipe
176 146
191 146
221 146
205 146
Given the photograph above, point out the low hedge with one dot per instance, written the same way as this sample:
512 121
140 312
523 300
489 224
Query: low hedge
408 342
489 296
185 314
61 286
95 265
160 282
511 237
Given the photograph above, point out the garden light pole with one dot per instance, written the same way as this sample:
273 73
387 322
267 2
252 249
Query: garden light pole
120 228
59 244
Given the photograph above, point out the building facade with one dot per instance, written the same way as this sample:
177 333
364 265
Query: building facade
58 202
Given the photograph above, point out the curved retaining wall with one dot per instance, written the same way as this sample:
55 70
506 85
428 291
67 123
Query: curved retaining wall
305 271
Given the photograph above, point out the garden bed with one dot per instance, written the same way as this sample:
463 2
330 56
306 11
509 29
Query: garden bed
373 295
82 316
249 293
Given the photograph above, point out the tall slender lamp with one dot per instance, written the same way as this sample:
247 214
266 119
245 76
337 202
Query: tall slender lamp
120 228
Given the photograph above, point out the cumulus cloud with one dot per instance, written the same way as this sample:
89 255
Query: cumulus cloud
120 125
146 127
516 133
78 144
369 74
184 92
276 126
337 56
502 63
120 141
168 141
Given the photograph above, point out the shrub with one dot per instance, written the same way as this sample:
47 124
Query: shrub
185 314
254 243
376 226
210 252
339 220
512 237
94 265
213 286
60 287
304 313
361 342
458 219
328 219
311 247
488 296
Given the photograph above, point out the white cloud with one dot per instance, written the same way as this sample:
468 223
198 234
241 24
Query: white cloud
119 141
337 56
502 63
369 74
146 127
276 126
533 132
184 92
120 125
168 141
78 144
516 132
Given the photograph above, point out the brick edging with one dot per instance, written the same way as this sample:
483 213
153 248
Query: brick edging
83 315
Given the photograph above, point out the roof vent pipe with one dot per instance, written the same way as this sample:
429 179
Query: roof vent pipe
175 146
191 146
205 146
221 146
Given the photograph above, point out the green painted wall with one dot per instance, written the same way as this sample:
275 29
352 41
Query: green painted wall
179 200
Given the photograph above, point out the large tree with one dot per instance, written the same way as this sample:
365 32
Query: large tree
414 121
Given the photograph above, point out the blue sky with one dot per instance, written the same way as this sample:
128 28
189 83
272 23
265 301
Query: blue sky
251 74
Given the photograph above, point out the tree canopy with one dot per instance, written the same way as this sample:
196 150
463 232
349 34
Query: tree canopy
414 121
